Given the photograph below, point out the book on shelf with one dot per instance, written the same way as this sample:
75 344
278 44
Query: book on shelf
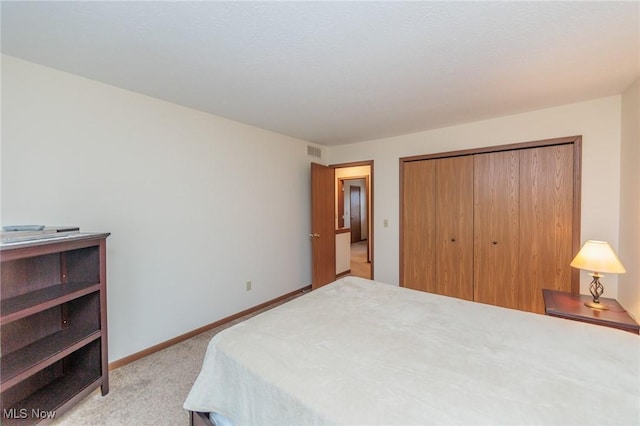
8 237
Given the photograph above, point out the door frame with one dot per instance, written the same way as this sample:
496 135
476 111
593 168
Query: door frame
369 188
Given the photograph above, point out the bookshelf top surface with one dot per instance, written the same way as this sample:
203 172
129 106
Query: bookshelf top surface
9 243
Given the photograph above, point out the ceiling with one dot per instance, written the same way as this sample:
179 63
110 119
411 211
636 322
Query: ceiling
339 72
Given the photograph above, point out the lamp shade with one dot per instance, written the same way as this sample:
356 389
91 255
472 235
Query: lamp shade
598 256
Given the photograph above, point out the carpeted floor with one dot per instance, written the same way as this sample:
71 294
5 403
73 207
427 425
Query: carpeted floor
149 391
359 265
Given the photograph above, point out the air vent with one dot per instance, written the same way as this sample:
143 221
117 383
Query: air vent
314 151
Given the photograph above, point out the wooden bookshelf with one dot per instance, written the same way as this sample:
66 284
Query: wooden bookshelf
53 324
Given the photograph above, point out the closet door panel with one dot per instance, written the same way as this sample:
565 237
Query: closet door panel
546 223
418 225
454 227
496 228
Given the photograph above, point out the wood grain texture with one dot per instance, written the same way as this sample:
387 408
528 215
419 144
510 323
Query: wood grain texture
23 276
577 209
104 344
18 334
526 198
546 225
418 226
322 225
454 226
55 333
572 306
571 140
496 228
197 418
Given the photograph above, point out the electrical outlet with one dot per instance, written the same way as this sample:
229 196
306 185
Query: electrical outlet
248 286
385 223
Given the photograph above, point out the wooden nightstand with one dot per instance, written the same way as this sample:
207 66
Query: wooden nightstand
571 306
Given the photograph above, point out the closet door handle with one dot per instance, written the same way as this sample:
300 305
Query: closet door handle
494 242
453 240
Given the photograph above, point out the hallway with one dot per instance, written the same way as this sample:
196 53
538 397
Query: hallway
359 265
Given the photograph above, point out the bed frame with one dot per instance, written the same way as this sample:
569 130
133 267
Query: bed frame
197 418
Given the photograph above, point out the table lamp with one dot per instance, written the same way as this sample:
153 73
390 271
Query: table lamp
597 256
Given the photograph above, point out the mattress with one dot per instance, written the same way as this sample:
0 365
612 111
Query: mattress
360 352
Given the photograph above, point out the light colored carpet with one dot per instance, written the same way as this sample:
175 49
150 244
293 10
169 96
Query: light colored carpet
151 390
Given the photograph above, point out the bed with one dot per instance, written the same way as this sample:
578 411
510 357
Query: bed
361 352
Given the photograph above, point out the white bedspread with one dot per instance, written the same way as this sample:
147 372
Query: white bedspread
359 352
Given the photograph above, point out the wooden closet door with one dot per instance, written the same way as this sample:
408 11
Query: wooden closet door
418 225
454 227
546 223
496 228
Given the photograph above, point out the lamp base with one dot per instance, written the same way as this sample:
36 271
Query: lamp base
595 305
596 289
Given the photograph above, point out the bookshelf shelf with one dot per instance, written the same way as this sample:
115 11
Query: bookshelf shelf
53 324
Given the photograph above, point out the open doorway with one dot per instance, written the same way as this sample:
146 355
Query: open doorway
354 239
331 245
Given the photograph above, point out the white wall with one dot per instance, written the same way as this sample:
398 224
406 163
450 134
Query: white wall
195 203
598 121
343 252
159 177
629 253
